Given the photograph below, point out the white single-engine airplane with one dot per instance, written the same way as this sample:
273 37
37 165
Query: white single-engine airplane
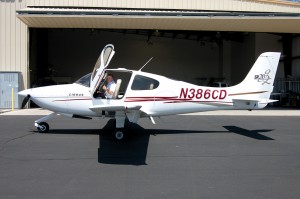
140 94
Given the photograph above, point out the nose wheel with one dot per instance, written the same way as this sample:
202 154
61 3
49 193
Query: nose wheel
119 135
42 127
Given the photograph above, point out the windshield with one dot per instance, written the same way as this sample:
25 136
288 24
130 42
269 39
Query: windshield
85 80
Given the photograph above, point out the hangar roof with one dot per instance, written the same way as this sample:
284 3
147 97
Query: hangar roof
59 17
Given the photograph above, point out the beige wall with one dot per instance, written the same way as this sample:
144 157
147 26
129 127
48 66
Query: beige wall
13 39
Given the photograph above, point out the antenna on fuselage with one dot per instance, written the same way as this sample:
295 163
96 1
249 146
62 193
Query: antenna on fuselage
146 63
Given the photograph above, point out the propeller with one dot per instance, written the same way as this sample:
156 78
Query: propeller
25 100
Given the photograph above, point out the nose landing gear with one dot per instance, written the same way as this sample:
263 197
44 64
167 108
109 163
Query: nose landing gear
42 127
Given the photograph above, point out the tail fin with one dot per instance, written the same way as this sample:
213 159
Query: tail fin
258 84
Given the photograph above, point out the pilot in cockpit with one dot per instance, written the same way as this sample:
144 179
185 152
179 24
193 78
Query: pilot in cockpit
108 90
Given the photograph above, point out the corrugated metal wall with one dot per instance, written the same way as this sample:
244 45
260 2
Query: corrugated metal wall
13 38
226 5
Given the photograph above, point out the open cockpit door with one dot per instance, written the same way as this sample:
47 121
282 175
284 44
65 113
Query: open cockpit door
101 64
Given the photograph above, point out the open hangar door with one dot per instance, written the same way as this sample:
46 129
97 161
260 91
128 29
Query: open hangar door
199 57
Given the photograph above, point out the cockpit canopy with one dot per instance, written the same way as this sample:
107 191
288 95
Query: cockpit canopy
92 79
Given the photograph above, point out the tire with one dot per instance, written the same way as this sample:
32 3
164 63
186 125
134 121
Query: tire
43 127
119 135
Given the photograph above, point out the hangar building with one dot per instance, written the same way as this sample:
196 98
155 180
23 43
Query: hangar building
197 41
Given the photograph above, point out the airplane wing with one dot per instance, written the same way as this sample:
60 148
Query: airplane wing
107 107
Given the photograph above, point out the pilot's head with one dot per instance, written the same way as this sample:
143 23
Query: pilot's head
109 78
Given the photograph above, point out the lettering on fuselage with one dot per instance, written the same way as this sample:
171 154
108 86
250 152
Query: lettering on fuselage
75 94
191 93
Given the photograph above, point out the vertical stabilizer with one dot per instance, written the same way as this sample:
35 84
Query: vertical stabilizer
258 84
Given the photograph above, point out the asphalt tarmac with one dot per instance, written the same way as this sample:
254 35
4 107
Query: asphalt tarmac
180 157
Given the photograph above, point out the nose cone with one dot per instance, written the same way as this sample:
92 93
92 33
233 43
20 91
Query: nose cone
25 93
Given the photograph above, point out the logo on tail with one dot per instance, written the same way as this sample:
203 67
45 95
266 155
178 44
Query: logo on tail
264 78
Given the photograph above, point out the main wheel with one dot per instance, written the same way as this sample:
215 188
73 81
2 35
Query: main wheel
119 135
43 127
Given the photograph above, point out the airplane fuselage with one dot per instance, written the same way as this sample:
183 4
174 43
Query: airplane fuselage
170 97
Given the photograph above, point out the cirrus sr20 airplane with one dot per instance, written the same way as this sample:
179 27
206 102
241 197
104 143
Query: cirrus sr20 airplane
141 94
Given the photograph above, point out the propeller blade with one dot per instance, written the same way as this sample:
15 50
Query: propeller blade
25 100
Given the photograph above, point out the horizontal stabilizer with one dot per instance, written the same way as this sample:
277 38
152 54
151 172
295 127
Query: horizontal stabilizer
107 107
250 104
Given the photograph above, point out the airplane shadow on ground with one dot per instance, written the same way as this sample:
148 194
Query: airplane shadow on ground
133 149
130 151
255 134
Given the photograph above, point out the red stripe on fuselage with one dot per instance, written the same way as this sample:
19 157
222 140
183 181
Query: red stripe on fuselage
74 99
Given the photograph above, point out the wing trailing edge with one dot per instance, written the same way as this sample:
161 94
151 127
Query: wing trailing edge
100 108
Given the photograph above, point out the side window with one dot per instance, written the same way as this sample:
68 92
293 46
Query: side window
144 83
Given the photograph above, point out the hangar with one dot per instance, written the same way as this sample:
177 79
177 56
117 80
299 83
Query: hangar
193 40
